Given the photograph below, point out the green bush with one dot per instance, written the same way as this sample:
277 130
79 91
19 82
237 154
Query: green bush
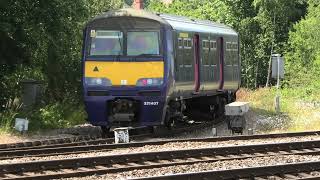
8 116
56 115
7 120
51 116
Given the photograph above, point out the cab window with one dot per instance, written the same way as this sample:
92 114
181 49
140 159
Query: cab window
139 43
106 42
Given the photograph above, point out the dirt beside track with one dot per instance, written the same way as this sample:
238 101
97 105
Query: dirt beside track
8 138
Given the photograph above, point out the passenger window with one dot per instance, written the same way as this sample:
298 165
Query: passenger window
180 43
185 43
189 43
235 46
229 46
203 43
206 44
213 45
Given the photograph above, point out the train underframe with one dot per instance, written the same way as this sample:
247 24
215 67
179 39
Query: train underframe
198 109
180 111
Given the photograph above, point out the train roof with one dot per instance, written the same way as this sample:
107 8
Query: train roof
176 22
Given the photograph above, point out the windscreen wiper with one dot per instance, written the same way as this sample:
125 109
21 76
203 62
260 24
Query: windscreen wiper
119 54
145 54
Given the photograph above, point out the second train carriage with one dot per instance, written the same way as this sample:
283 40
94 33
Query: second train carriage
145 69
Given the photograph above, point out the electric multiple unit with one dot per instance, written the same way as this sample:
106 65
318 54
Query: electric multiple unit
145 69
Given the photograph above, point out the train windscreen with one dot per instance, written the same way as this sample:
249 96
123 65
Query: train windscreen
106 42
143 43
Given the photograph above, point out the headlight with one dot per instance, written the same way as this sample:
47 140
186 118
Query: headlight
97 81
149 82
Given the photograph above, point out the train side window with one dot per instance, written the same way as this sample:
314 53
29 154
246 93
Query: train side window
235 46
235 53
187 43
180 43
229 53
213 45
229 46
205 44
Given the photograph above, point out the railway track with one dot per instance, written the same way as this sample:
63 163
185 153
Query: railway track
106 145
118 163
306 170
69 141
138 133
39 143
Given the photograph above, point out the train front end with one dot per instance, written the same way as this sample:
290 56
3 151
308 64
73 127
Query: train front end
124 67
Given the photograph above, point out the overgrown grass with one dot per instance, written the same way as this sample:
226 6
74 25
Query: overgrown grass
6 120
51 116
299 106
57 115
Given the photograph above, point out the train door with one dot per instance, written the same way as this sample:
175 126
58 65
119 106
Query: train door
235 61
184 63
179 75
196 58
221 61
214 64
205 64
228 64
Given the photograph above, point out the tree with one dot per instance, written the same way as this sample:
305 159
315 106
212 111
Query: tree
303 51
276 18
42 40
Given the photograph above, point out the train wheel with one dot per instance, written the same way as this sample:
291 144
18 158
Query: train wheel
169 122
221 108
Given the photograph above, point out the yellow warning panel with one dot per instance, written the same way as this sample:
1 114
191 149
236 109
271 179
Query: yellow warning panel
118 72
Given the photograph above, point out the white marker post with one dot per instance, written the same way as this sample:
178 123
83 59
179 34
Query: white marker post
121 135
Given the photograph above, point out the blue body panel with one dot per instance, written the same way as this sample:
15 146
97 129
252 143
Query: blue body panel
96 108
151 115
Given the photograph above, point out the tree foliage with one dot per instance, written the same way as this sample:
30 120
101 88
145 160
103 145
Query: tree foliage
42 40
303 51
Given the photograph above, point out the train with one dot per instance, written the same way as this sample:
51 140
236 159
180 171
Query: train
144 69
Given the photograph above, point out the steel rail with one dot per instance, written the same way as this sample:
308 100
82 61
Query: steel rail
301 170
104 145
71 144
45 142
82 140
119 163
69 141
91 140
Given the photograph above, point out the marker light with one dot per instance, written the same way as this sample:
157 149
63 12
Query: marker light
149 82
97 81
144 82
